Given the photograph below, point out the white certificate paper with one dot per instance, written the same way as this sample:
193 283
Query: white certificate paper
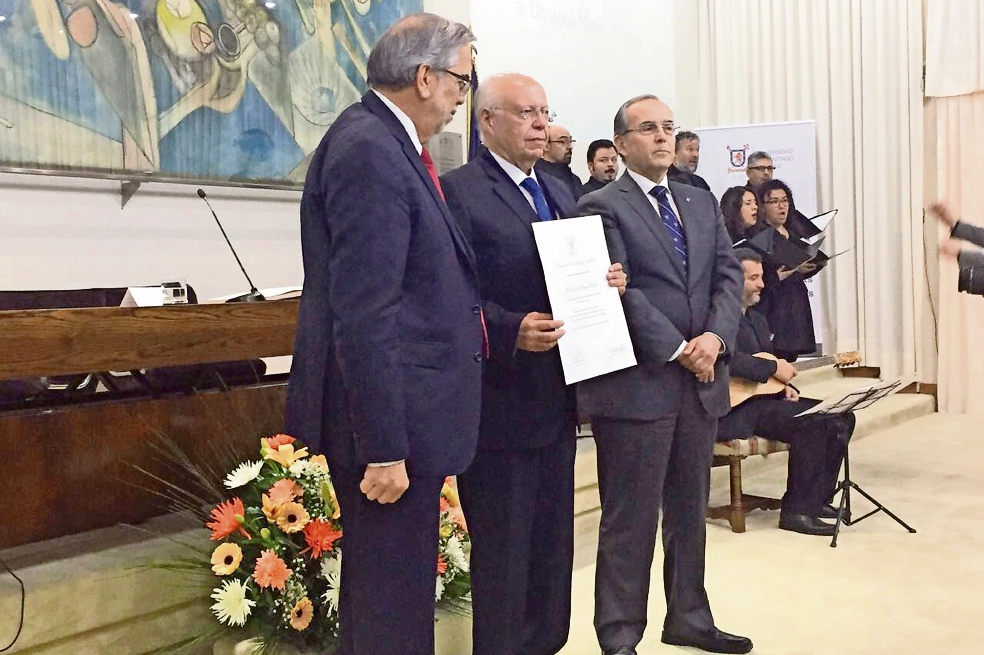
575 263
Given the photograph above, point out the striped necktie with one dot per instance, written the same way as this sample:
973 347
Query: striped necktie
671 221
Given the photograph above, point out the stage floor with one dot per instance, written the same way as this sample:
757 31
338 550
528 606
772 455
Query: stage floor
881 591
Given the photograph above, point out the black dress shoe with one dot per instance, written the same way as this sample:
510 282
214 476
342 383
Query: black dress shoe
805 524
713 641
830 512
624 650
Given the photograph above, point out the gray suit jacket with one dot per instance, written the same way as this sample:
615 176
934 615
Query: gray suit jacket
664 303
975 235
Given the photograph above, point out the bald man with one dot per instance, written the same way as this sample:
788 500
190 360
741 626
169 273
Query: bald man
557 155
518 493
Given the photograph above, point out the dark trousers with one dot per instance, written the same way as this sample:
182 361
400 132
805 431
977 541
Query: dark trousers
389 568
519 505
644 466
816 445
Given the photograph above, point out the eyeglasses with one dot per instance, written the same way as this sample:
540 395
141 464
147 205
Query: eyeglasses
567 141
464 81
649 128
762 169
527 113
777 201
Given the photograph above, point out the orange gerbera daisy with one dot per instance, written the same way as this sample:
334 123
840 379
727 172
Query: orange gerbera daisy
458 517
320 537
442 566
224 521
226 558
301 615
276 441
292 517
284 491
285 455
271 571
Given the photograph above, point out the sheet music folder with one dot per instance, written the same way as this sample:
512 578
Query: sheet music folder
781 251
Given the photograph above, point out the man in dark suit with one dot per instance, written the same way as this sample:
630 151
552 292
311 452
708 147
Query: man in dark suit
557 155
817 443
602 164
388 354
684 169
655 423
518 493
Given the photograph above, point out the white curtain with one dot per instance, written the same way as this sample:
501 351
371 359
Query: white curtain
954 51
853 66
955 139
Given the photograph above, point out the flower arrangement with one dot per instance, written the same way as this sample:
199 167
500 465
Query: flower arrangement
279 543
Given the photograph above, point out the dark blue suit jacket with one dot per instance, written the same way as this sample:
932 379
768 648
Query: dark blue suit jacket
387 356
664 302
524 397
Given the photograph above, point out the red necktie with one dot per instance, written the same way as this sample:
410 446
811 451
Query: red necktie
429 165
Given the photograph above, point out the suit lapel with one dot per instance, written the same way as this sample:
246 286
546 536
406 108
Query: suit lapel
507 191
692 230
636 199
376 106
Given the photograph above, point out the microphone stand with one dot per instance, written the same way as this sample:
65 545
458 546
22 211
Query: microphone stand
254 295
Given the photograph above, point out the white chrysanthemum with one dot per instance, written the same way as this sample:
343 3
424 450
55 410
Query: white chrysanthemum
439 592
243 475
331 569
456 554
332 566
231 605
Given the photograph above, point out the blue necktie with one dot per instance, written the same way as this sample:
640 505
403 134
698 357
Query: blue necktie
539 200
670 220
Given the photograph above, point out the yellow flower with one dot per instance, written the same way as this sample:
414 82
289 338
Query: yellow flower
285 454
226 559
446 530
301 615
292 517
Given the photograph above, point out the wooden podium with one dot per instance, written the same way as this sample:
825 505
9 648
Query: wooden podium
68 468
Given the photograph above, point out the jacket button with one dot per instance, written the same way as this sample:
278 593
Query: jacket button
478 357
476 309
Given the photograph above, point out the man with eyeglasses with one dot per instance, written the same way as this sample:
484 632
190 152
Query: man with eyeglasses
518 493
387 371
684 168
602 164
655 423
759 169
557 155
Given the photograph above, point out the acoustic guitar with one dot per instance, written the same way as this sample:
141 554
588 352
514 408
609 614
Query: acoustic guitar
742 389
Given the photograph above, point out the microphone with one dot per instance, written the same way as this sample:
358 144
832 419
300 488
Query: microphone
254 295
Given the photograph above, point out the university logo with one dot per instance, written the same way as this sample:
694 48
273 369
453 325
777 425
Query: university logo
737 157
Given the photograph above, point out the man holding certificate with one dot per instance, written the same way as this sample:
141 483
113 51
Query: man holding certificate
655 423
518 493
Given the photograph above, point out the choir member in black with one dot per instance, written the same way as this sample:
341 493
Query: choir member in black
740 209
785 301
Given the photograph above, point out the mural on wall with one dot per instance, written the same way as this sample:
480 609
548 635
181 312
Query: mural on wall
220 89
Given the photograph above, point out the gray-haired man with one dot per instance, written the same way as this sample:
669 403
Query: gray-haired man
389 348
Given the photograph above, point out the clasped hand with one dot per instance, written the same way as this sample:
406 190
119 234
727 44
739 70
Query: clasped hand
699 356
385 484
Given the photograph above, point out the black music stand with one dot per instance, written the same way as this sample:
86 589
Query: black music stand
858 399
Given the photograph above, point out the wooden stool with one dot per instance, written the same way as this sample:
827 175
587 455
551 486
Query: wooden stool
732 453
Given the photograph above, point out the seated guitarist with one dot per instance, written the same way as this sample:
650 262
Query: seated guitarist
817 443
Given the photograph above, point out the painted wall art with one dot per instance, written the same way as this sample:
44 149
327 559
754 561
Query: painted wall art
202 89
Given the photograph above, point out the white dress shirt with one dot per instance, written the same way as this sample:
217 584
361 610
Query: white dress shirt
404 120
517 176
647 186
